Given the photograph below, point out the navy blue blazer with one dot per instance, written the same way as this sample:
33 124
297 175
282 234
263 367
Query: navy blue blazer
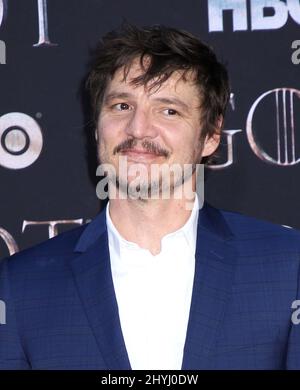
62 313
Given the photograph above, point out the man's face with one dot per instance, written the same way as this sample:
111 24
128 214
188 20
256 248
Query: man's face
150 127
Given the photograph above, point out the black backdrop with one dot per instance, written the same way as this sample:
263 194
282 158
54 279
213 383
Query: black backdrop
47 163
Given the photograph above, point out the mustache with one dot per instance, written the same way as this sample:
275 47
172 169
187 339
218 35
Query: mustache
147 145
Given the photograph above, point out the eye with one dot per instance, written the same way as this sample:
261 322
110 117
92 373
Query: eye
121 106
170 112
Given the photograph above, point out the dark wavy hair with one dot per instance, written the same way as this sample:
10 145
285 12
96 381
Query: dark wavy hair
169 50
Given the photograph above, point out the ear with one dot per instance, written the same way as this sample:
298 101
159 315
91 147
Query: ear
96 135
211 143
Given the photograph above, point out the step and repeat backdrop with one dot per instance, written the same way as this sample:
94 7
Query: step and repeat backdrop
47 155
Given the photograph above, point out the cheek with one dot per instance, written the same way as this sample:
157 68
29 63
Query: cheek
183 144
104 128
105 144
183 134
107 133
112 127
188 149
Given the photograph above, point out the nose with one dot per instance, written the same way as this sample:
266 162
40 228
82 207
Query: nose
141 125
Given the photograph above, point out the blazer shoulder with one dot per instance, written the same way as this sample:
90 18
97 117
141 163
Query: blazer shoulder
262 232
247 224
60 246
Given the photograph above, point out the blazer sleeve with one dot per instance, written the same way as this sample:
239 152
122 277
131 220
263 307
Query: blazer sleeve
12 356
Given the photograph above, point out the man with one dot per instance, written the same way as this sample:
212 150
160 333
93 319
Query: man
151 283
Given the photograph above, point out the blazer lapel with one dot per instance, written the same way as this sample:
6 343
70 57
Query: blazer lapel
92 273
214 269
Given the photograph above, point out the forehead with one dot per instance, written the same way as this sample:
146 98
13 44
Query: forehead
176 84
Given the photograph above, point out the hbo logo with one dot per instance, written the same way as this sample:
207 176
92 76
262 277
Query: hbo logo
21 140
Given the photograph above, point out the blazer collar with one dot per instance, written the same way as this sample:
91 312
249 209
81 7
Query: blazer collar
210 219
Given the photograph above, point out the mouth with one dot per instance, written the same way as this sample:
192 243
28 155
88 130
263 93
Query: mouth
139 155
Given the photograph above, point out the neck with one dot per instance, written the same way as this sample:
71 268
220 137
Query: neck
146 222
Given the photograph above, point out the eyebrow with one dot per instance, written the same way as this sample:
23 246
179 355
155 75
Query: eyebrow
117 95
126 95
